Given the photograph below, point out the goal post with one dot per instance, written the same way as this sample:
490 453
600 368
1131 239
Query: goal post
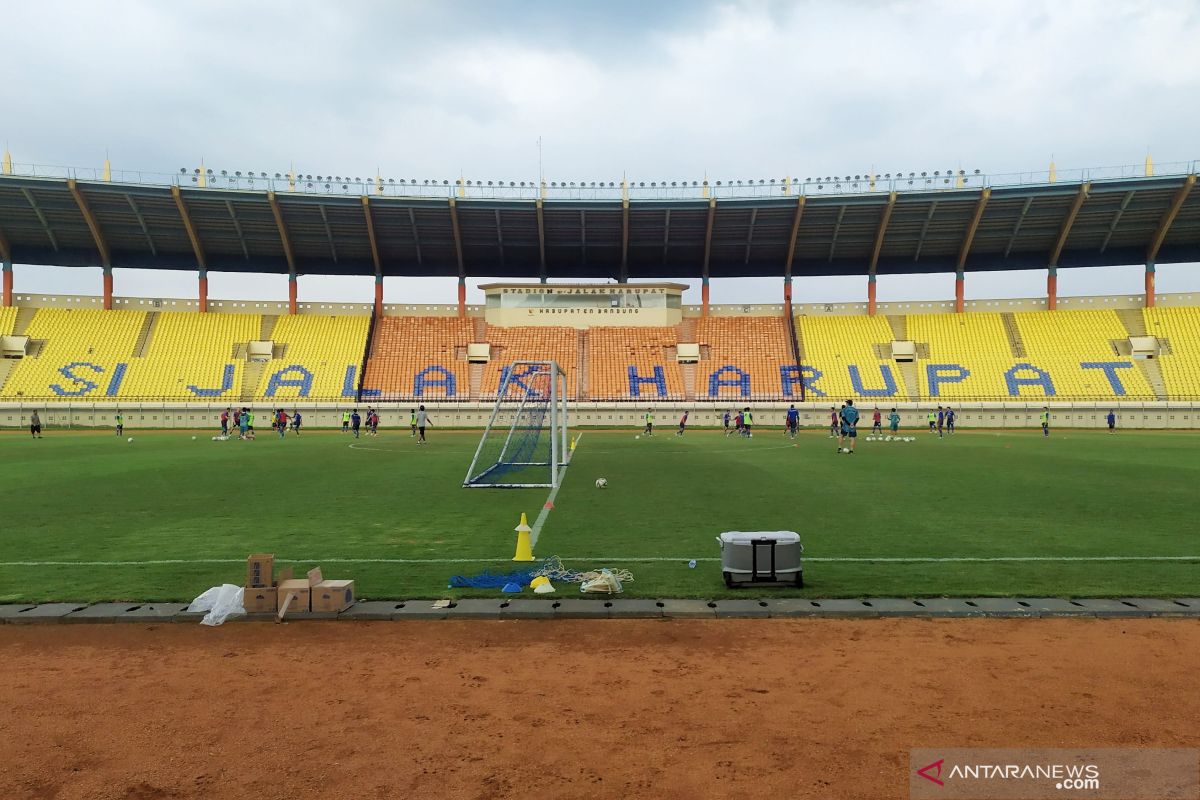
525 442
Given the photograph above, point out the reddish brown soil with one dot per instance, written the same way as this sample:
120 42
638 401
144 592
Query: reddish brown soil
547 710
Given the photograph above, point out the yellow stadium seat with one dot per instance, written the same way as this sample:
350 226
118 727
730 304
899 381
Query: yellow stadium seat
975 342
834 344
1058 342
87 353
1180 327
191 357
758 346
324 347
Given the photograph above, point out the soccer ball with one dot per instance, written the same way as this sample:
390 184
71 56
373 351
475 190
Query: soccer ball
601 483
638 436
193 438
131 438
887 438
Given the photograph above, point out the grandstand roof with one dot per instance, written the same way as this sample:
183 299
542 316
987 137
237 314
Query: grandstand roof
63 222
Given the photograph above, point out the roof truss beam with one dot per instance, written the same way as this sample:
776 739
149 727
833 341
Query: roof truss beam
1164 225
137 213
750 234
412 221
1012 239
541 221
969 237
1116 219
583 236
37 210
925 229
328 233
791 250
666 234
625 236
836 228
90 219
5 249
273 201
499 237
881 231
201 261
237 226
1068 223
458 253
370 219
708 229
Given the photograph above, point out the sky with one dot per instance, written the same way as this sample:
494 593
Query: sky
653 90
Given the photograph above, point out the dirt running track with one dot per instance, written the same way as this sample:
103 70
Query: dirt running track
547 710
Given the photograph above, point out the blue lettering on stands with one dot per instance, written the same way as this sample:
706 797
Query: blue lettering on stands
82 385
348 382
738 378
789 376
1015 382
1110 371
889 382
118 377
808 379
447 381
658 380
226 385
516 379
937 374
289 376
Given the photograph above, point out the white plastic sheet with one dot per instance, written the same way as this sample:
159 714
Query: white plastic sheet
221 603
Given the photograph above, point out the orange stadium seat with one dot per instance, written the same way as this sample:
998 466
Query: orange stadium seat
419 357
611 353
531 344
758 346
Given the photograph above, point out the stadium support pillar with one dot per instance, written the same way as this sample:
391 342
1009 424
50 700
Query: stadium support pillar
378 295
292 306
462 296
787 290
1052 288
704 297
958 292
8 284
108 288
870 295
203 293
1149 284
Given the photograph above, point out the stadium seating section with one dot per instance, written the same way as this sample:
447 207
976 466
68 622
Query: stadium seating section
745 356
841 361
320 357
82 352
1180 329
1073 354
419 357
633 362
185 356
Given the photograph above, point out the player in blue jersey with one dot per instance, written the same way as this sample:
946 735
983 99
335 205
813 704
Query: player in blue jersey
355 422
793 421
894 421
1111 419
941 422
725 420
949 419
849 426
297 420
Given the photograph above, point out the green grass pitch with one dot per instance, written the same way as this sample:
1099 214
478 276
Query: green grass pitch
394 517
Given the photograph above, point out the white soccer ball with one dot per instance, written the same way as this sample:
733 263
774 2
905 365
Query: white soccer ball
193 438
887 438
601 483
131 438
638 436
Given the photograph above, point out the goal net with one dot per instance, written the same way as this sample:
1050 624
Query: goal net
525 442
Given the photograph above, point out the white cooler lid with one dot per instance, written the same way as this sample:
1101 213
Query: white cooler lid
743 537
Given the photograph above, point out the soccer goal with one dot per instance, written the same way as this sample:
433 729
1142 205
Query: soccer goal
525 442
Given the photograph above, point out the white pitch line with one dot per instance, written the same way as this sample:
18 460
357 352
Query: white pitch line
606 559
536 531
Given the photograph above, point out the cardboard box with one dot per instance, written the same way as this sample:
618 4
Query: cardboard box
332 596
261 599
299 587
259 570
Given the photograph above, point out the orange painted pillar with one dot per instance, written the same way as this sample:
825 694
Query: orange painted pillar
203 293
462 296
292 309
704 297
787 289
8 284
1052 288
108 288
379 295
958 292
1149 284
870 295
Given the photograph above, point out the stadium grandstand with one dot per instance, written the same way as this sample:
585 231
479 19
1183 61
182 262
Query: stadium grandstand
621 338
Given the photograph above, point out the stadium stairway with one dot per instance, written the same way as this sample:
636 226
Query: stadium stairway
1135 325
267 327
1133 320
1015 343
6 366
899 324
24 317
909 374
475 378
251 377
145 335
581 384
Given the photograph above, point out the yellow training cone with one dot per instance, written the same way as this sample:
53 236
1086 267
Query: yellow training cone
524 545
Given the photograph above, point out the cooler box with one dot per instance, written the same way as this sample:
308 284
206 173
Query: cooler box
761 557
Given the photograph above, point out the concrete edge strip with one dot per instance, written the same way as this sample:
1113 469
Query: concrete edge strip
620 608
